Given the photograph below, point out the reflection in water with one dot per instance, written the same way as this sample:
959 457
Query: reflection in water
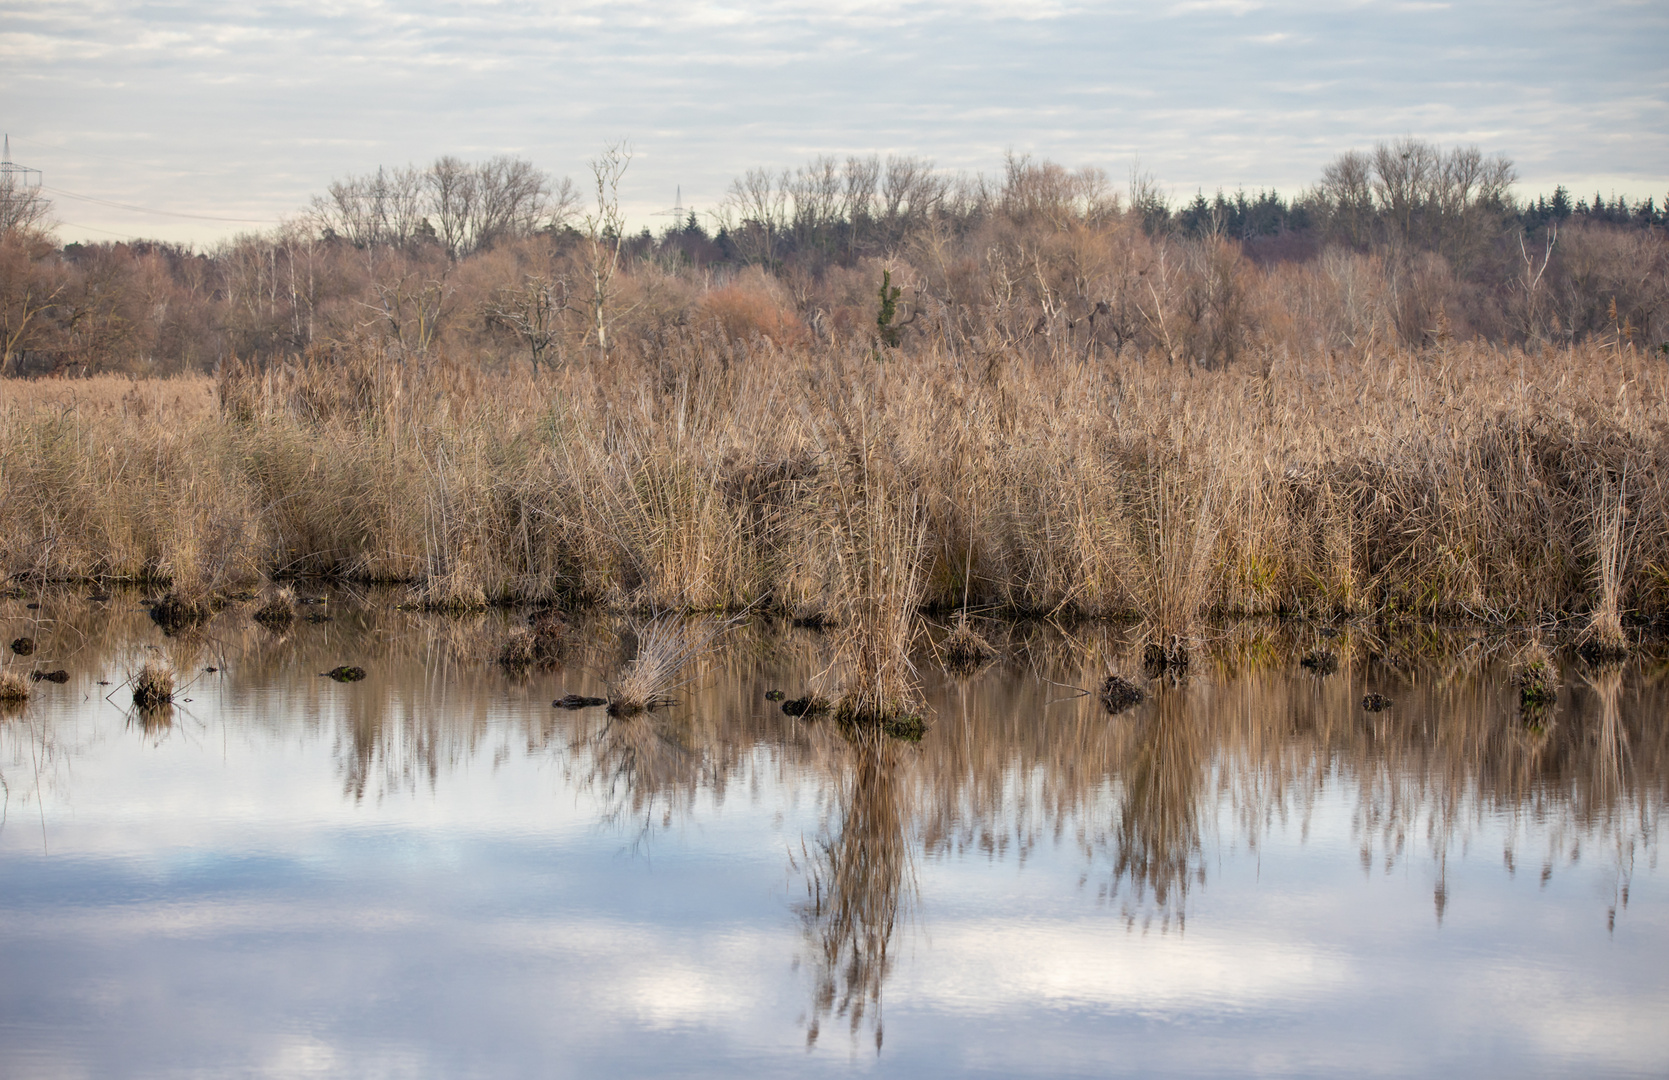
1249 749
859 878
640 765
156 722
1158 848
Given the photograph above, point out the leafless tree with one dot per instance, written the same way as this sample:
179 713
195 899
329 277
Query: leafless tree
382 208
534 313
22 207
756 212
605 232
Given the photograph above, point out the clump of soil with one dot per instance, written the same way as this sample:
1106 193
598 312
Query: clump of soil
1320 661
807 706
154 685
176 612
23 646
344 673
578 701
1375 702
1118 694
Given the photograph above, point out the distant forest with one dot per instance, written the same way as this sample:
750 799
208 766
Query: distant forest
496 262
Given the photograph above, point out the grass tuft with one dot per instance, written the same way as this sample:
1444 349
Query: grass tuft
666 646
177 612
279 610
965 651
13 687
537 644
1320 662
153 685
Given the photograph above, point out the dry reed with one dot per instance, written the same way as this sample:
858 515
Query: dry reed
666 646
13 687
695 474
153 684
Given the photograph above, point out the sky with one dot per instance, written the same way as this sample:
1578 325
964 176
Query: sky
202 120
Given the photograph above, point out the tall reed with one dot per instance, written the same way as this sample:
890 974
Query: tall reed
698 473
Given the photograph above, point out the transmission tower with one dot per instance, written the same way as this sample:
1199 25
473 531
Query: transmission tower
13 173
678 211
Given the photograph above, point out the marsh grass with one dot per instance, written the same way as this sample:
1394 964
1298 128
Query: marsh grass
153 684
666 647
13 687
693 474
278 611
1603 639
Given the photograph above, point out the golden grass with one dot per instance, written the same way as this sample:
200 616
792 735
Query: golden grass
13 687
153 684
666 646
687 475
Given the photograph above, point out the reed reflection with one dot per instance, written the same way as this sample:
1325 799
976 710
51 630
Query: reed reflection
1156 856
860 880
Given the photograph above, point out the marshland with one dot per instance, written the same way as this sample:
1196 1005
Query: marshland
945 617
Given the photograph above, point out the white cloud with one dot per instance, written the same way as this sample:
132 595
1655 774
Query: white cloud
247 110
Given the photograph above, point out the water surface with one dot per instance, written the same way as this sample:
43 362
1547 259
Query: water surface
434 873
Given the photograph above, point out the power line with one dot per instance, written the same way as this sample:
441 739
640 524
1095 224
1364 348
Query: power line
106 232
149 210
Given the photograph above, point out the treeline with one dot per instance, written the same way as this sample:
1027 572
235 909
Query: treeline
499 263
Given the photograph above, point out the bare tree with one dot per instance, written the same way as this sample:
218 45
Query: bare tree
1346 191
453 192
605 232
756 212
22 206
534 313
383 208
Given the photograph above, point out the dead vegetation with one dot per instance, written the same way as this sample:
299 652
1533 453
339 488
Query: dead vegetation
279 611
538 644
153 684
13 688
666 647
1036 477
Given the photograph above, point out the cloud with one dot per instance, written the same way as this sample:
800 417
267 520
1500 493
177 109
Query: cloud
247 110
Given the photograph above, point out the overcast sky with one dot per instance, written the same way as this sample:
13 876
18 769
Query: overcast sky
242 111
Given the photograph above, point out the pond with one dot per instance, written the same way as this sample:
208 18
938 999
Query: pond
433 872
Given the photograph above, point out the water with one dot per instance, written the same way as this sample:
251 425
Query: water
434 873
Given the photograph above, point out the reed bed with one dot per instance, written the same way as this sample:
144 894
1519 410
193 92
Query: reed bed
698 473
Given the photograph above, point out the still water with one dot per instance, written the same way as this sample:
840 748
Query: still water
433 872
